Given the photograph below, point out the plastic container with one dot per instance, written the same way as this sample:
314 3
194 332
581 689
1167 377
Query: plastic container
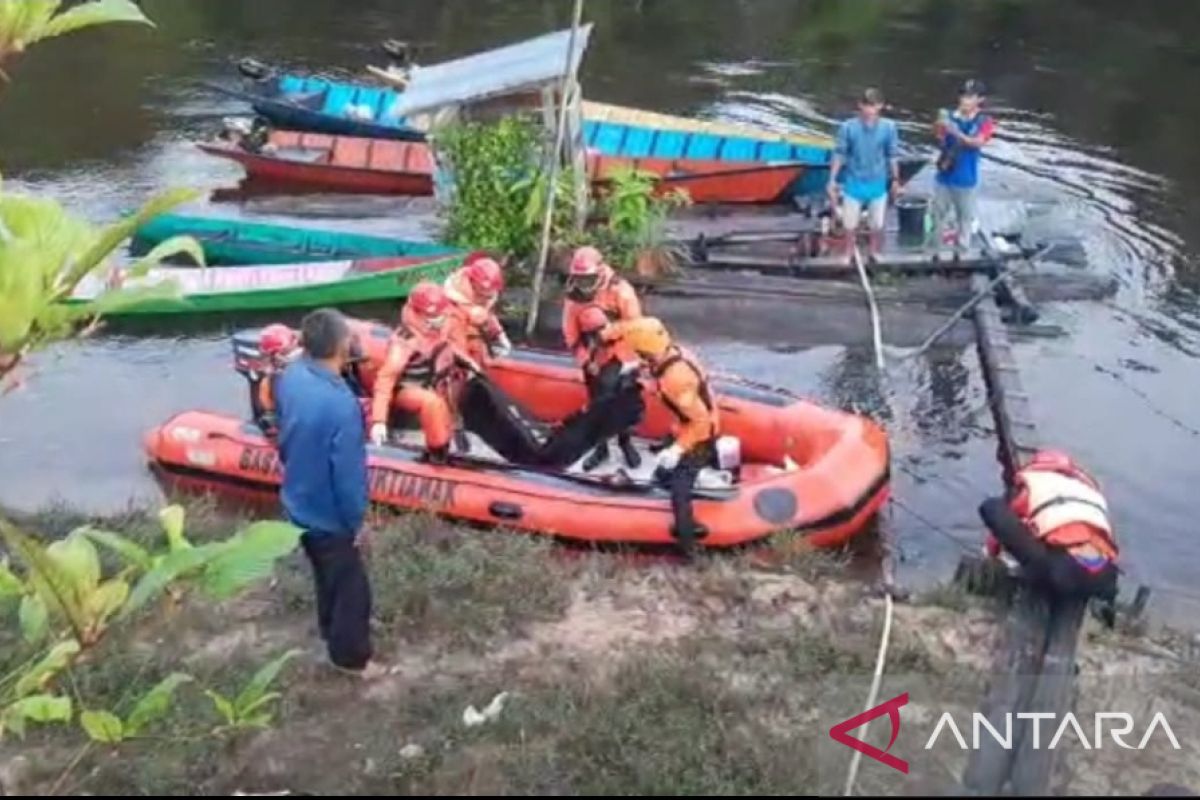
913 213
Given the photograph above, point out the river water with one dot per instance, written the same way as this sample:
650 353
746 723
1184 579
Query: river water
1096 141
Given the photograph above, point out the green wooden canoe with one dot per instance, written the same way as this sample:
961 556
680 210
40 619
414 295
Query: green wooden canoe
235 242
282 286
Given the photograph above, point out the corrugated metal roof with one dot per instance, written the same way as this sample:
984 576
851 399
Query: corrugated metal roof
495 73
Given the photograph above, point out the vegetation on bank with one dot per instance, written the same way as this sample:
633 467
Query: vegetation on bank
497 195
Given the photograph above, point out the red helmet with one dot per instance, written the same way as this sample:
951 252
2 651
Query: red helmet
277 339
485 276
1053 461
586 262
592 320
428 300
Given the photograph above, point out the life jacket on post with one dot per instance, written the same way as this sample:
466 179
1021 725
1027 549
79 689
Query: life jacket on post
684 389
1068 511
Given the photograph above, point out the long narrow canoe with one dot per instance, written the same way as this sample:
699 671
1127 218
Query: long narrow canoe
237 242
624 115
318 162
319 105
278 287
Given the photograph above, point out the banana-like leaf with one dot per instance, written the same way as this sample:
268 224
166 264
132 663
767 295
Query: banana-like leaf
97 12
105 600
248 558
133 554
173 567
77 559
34 618
35 708
116 233
172 518
223 706
21 22
155 703
43 672
102 726
252 696
175 246
10 584
116 300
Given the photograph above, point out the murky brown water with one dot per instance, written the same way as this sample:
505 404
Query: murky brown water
1097 136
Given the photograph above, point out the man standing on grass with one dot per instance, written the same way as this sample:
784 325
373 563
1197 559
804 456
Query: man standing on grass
322 446
865 170
961 135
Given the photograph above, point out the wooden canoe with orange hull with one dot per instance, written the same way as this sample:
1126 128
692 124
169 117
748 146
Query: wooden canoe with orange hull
707 181
378 166
806 468
335 163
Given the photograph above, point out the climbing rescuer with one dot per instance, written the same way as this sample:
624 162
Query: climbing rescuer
683 387
608 368
419 373
473 290
593 284
1056 525
279 346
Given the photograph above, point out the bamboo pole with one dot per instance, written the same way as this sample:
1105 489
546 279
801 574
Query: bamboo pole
568 85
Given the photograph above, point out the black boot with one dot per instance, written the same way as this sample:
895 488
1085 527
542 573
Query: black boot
598 457
438 455
632 457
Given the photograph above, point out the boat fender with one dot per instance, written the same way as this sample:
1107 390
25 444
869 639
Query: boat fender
503 510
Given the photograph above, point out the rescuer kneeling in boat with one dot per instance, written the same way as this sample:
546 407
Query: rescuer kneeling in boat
423 363
1056 525
279 346
591 283
473 290
682 386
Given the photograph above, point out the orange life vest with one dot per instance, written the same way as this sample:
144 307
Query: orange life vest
1066 511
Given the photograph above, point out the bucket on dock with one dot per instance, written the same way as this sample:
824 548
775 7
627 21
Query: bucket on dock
913 213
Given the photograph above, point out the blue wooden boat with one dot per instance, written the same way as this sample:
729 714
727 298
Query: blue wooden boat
679 142
320 105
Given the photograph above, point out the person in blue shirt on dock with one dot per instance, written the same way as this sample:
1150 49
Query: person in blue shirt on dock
323 449
961 135
865 170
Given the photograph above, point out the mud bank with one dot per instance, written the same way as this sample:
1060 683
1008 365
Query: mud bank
622 676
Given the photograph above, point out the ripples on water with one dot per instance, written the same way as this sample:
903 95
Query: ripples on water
1118 392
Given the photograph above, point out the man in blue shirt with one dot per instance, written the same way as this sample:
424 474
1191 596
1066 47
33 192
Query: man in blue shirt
961 135
322 445
865 166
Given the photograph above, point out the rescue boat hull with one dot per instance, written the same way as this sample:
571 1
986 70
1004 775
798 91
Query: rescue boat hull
819 472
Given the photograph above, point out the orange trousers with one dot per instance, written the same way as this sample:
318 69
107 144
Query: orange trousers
433 412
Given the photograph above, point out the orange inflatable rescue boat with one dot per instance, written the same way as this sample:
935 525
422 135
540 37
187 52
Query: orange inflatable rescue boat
805 468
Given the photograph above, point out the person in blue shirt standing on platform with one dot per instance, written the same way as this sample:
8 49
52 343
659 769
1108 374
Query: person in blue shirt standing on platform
961 135
865 170
322 446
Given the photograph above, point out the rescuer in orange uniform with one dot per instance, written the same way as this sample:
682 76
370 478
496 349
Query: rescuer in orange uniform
278 345
1056 525
419 372
682 385
473 290
593 284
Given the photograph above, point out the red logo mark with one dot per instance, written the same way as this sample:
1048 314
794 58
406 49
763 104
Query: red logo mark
840 732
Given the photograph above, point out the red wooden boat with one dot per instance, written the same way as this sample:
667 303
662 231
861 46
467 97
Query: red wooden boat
377 166
334 163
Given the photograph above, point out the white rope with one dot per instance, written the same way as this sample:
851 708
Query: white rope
876 332
551 190
881 657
